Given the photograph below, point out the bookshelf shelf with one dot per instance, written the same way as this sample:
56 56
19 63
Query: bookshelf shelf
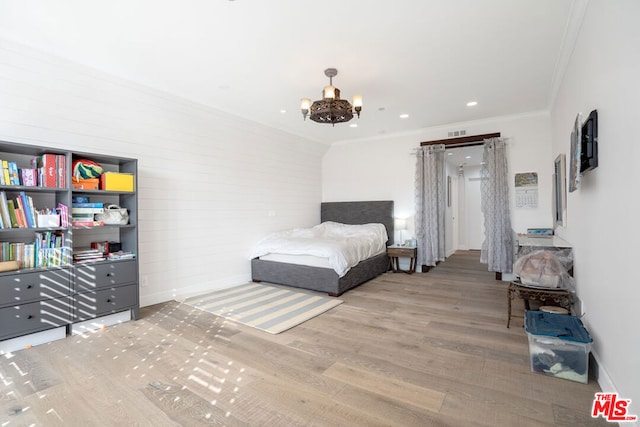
34 189
30 229
68 286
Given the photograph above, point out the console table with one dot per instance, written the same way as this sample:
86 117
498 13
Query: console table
546 296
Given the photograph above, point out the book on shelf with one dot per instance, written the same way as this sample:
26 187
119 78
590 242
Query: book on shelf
62 171
121 255
87 255
46 250
79 211
21 213
63 210
47 170
20 216
84 217
12 214
6 179
25 203
14 176
28 177
87 205
4 210
87 223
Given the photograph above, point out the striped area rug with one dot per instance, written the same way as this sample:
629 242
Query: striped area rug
267 307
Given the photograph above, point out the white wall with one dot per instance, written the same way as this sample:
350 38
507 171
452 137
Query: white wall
210 184
602 215
384 168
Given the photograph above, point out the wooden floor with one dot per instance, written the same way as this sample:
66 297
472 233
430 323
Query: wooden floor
403 350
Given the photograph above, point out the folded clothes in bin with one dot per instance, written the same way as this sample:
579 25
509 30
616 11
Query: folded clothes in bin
559 345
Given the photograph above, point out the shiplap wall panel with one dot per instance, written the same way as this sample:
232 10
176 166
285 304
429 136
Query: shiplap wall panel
210 184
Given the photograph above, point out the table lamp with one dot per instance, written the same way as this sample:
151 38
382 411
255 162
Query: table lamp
400 224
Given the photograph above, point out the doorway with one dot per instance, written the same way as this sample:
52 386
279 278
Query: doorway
465 218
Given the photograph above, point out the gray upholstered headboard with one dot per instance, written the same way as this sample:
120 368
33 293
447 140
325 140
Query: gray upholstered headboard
360 213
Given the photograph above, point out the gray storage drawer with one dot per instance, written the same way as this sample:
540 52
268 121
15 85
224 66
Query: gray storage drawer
88 305
40 285
91 277
34 317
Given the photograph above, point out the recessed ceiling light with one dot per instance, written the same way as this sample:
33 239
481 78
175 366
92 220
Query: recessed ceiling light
449 153
404 116
283 111
467 157
353 125
472 103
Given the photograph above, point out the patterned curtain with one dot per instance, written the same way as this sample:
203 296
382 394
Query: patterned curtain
430 204
498 245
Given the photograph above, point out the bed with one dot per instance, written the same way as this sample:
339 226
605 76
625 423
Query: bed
323 279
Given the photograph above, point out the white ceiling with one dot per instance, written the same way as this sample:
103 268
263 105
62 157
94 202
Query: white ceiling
254 58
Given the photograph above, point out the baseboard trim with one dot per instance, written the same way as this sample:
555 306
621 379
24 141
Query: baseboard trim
606 384
99 323
602 376
181 293
30 340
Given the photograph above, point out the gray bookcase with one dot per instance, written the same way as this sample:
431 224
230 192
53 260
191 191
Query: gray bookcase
33 300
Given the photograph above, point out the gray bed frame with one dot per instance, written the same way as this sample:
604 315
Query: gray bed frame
326 279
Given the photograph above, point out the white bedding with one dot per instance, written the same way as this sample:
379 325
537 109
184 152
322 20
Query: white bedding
343 245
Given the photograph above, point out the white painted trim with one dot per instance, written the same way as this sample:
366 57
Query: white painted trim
447 127
99 323
30 340
606 384
569 38
604 380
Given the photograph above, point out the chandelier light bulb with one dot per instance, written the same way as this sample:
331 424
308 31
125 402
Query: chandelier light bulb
329 92
357 104
305 105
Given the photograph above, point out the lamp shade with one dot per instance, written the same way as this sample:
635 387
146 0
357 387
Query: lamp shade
400 223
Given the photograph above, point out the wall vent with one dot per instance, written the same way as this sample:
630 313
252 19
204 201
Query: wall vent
457 133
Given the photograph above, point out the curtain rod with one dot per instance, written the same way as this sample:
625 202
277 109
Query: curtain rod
458 145
467 140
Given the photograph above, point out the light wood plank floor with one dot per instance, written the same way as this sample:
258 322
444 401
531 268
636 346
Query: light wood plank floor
403 350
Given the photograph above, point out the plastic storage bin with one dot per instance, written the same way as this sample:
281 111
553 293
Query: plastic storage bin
559 345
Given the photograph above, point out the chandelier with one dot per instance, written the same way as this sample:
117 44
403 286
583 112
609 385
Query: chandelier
331 109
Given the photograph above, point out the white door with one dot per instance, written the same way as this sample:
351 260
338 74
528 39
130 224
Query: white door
451 216
474 216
